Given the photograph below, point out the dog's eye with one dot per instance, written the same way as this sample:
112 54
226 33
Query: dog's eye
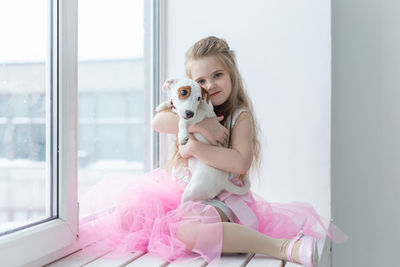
183 92
198 99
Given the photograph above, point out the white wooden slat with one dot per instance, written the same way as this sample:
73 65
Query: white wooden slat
80 258
195 263
264 261
148 260
325 257
292 264
99 258
114 260
235 260
321 245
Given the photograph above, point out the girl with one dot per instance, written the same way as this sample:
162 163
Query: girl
148 215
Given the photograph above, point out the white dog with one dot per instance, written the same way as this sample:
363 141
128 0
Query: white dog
191 103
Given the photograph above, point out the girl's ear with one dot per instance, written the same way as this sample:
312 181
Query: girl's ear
168 83
205 95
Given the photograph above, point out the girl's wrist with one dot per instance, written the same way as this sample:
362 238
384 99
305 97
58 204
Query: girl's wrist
194 147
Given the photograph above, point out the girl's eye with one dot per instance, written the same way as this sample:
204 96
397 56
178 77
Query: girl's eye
219 74
201 82
198 99
183 92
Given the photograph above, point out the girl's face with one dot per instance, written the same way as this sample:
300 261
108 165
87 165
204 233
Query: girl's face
210 74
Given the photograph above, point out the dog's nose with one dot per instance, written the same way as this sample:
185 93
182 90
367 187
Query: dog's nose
189 114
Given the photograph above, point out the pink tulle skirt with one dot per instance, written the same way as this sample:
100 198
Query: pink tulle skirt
144 213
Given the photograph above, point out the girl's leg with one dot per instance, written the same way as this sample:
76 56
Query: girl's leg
237 238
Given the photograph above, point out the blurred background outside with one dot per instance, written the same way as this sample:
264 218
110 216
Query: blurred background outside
112 101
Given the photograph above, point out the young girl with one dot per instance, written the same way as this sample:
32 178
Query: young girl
148 215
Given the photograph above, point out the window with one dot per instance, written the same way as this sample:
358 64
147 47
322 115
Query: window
39 155
24 174
114 96
38 203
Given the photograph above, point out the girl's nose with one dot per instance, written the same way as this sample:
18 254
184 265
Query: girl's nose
210 85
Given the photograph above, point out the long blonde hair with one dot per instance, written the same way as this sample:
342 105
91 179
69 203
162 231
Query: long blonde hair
238 99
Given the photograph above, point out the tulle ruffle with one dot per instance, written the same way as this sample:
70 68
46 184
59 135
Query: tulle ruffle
286 220
144 213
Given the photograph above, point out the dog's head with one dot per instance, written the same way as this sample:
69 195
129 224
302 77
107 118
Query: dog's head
185 95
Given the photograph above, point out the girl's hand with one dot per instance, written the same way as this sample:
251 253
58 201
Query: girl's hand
212 130
187 150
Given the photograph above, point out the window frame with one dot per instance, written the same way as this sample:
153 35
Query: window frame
54 238
159 142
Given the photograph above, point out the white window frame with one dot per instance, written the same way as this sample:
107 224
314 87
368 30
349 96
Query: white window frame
159 142
43 243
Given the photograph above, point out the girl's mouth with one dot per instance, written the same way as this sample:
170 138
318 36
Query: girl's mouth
216 93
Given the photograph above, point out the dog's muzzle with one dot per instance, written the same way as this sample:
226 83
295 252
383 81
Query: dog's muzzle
189 114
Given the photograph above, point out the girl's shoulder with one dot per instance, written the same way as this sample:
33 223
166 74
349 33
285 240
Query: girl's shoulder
236 114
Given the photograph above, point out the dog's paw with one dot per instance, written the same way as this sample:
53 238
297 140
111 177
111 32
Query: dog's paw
163 106
183 140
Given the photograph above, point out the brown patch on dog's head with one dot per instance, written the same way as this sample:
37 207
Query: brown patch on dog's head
205 95
184 92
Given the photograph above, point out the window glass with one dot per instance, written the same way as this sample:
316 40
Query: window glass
112 104
135 141
87 106
87 145
136 104
112 139
30 142
20 105
111 91
37 107
24 192
4 98
2 141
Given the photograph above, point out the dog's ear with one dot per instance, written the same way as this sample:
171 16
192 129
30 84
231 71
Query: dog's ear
205 95
168 83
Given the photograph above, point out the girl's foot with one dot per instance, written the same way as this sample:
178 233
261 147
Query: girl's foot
303 249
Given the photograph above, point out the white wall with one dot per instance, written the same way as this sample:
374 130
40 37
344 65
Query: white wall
283 50
366 131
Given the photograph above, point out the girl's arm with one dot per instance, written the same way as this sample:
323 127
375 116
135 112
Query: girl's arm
237 160
211 129
165 122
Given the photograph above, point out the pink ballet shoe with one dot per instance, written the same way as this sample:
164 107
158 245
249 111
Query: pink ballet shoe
308 251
